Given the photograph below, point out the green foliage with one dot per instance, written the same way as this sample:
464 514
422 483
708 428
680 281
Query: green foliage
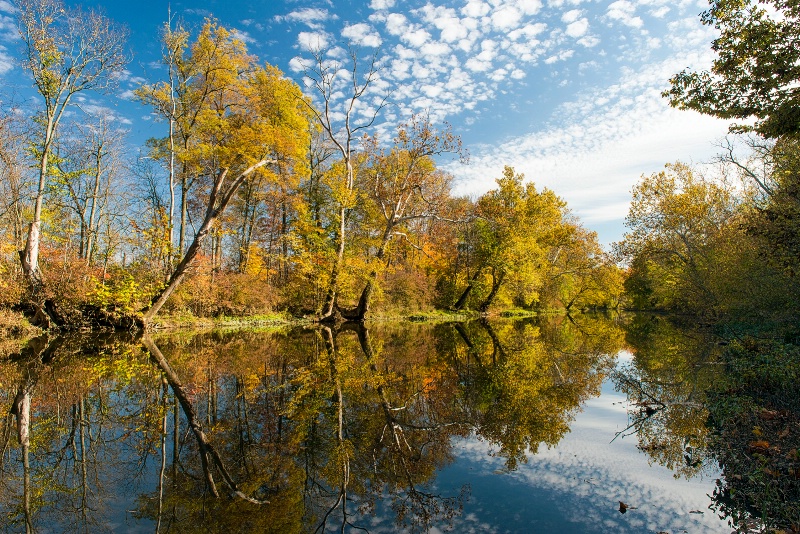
756 69
754 416
119 292
674 220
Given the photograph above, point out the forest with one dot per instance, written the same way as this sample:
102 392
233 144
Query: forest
260 199
264 201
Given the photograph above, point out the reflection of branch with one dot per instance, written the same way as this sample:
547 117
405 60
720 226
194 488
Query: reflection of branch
637 423
342 498
206 448
496 344
428 503
649 411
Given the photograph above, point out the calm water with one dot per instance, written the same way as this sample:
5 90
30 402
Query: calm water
503 426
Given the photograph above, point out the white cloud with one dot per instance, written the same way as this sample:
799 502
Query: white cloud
362 34
560 56
589 41
578 28
6 61
506 18
381 4
243 37
431 50
660 12
475 8
529 31
396 24
311 17
297 64
623 11
8 29
600 144
7 7
571 15
313 41
416 38
528 7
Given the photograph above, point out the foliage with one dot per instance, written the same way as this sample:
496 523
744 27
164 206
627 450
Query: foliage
756 69
754 415
674 219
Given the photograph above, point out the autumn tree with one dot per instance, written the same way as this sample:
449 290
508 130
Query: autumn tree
344 114
674 218
404 186
252 120
511 233
13 182
578 274
84 168
67 52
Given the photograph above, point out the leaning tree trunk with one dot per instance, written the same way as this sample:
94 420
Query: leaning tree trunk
213 211
462 300
366 294
497 280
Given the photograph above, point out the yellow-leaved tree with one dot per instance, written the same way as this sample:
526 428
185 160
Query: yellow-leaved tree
248 120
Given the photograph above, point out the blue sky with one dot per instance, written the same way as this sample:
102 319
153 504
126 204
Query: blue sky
565 91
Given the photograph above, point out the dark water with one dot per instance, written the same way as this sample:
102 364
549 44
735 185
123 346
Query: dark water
503 426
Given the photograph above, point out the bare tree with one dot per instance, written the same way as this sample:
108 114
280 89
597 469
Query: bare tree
87 168
343 129
13 185
67 51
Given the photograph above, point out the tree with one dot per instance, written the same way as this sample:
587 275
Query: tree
86 170
342 128
756 69
674 218
511 233
168 100
252 118
405 186
13 182
67 51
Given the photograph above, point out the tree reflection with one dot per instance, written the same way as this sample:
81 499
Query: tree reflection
316 430
61 433
666 382
526 384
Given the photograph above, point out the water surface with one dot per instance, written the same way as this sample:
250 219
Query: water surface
502 426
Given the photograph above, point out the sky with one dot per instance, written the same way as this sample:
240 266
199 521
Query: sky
568 92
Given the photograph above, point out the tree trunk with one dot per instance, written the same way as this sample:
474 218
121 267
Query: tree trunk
333 284
213 211
366 294
497 280
462 300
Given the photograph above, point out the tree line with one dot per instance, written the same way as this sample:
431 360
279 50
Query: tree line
257 197
724 244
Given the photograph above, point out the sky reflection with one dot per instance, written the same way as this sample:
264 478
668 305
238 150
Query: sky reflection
577 486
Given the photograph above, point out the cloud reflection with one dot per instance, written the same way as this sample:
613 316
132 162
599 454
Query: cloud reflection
580 482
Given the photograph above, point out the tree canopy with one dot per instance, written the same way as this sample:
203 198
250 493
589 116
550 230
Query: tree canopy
755 73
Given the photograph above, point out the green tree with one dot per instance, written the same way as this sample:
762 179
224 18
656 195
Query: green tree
756 69
674 218
511 234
